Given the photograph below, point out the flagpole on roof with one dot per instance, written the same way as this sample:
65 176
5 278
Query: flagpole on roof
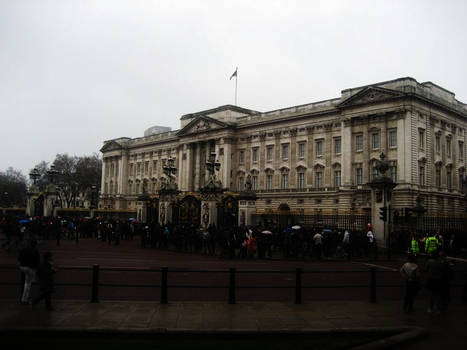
235 75
236 78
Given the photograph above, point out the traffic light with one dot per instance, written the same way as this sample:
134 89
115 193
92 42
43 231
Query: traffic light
383 213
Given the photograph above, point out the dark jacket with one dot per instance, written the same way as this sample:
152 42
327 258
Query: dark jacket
29 257
45 274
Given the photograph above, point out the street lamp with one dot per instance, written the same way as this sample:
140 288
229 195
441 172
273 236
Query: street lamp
52 174
93 197
386 185
34 175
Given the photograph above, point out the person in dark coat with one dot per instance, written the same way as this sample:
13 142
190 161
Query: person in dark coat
45 274
29 259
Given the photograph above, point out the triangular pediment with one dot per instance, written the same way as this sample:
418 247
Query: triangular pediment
111 146
370 94
202 124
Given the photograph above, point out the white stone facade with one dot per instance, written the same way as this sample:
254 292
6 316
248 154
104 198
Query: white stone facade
316 158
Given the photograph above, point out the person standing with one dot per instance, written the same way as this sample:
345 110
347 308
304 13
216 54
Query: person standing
346 244
29 259
370 242
45 274
317 245
431 245
414 246
411 274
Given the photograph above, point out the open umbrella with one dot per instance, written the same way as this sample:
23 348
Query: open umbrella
296 227
267 232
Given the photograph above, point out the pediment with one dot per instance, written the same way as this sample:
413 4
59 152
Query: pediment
370 95
111 146
202 124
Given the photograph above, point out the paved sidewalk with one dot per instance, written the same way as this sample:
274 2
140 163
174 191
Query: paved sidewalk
445 330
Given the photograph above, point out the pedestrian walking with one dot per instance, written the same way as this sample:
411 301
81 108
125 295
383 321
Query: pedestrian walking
411 274
29 259
45 274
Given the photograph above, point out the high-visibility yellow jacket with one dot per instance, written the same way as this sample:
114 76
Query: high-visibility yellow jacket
414 247
431 244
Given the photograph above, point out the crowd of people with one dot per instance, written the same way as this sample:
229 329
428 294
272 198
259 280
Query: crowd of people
260 241
243 242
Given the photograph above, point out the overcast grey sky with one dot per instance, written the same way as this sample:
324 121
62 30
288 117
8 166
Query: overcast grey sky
76 73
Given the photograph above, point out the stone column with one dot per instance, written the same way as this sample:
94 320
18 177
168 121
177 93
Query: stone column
226 163
104 169
189 173
346 150
181 178
197 151
404 150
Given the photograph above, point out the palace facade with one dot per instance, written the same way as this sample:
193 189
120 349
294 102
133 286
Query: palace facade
311 159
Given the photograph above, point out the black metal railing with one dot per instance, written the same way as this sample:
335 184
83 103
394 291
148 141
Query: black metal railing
370 281
231 287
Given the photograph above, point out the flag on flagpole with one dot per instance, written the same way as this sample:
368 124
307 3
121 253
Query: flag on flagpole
234 74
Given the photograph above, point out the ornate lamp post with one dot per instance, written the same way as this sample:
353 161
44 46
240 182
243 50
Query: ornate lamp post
52 174
34 175
211 193
385 185
168 193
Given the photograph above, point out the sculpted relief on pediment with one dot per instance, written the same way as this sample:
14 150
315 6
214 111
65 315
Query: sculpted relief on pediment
371 95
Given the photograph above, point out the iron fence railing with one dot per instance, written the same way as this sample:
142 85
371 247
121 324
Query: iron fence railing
370 282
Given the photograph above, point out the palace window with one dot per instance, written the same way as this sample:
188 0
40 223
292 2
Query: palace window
131 169
319 148
421 139
337 145
438 144
241 157
448 147
461 151
393 170
319 179
285 151
269 182
438 177
269 154
392 138
359 176
138 169
285 181
375 140
421 175
255 155
301 180
449 179
254 182
301 150
337 178
146 168
359 143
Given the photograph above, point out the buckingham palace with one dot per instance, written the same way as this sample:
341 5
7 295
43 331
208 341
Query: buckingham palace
307 162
